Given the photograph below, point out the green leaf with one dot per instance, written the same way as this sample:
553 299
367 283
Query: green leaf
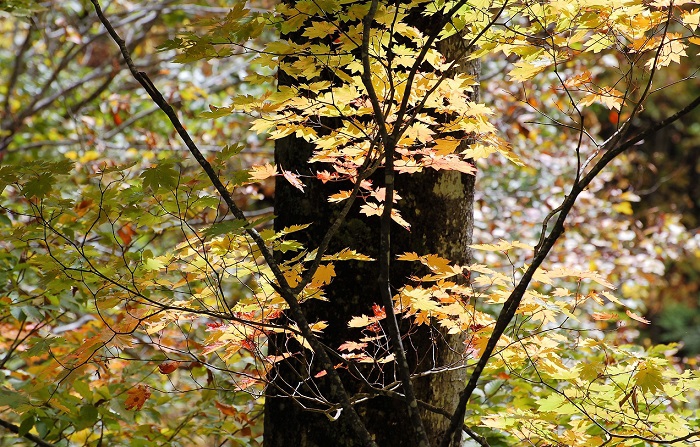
12 399
26 425
289 245
228 152
216 112
87 417
40 346
649 377
43 426
8 175
38 186
162 175
239 178
83 389
21 8
153 264
226 227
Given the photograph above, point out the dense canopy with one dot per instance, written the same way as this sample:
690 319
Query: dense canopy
333 208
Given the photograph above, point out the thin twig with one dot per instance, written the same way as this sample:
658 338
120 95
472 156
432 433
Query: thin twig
17 69
510 307
337 388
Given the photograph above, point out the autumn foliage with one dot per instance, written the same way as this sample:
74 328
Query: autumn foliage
142 280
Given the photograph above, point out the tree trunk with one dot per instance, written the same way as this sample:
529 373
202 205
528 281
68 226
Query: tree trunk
439 206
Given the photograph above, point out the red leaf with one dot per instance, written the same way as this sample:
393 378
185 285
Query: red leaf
117 119
379 311
325 176
167 367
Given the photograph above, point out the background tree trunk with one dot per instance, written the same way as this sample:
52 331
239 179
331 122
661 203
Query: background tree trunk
439 206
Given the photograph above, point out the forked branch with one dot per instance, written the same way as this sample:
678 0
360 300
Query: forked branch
338 390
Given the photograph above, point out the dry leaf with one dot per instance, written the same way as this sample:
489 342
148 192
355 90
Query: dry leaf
636 317
136 397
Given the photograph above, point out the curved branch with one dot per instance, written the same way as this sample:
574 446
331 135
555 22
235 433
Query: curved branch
35 439
510 307
338 390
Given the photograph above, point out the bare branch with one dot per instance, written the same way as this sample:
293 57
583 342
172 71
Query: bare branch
35 439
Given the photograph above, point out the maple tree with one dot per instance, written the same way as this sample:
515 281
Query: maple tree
147 299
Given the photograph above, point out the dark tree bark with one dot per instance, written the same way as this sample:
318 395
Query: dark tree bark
439 206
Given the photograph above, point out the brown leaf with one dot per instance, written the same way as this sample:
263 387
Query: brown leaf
226 410
167 367
137 396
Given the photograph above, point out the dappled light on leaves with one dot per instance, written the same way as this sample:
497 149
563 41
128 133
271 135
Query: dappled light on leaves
148 299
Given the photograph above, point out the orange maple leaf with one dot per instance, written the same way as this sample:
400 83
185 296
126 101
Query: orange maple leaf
603 316
226 410
126 233
326 176
137 396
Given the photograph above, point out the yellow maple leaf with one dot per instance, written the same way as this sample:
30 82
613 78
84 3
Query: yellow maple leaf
419 132
649 377
319 326
420 298
611 297
526 70
258 172
438 264
502 245
347 254
608 96
623 208
339 196
672 51
361 321
692 18
408 256
371 209
444 146
324 275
